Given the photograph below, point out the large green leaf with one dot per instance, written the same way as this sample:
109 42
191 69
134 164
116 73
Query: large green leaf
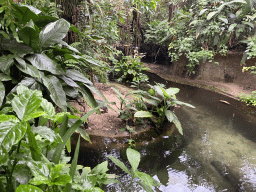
5 63
54 33
24 13
17 48
133 158
29 34
43 62
28 188
150 101
2 93
42 20
119 164
11 134
77 76
172 91
57 93
68 81
30 70
22 174
88 96
26 104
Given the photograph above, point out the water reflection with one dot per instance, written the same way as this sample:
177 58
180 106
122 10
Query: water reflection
216 153
179 181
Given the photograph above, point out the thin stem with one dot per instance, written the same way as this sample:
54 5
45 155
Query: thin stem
14 164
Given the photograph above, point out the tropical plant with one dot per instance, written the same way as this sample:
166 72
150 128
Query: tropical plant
207 28
146 181
249 99
130 69
160 105
33 54
32 153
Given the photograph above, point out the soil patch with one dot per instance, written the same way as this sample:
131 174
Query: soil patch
108 124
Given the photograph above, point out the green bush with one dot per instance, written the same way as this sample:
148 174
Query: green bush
249 99
130 69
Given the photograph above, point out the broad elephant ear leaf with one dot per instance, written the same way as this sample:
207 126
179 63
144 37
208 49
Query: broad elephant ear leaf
54 33
57 93
43 62
77 76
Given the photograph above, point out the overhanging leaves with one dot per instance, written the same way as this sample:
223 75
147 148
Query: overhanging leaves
43 62
54 33
57 93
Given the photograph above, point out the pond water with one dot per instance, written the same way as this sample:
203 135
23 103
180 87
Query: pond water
216 153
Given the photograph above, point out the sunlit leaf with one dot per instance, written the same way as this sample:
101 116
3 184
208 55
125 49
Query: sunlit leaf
100 168
54 32
133 158
9 118
28 188
211 14
119 164
26 104
143 114
11 134
169 115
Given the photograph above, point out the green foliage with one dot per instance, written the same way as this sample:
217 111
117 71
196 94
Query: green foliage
208 28
38 57
249 99
31 146
159 32
146 181
33 156
130 70
161 106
